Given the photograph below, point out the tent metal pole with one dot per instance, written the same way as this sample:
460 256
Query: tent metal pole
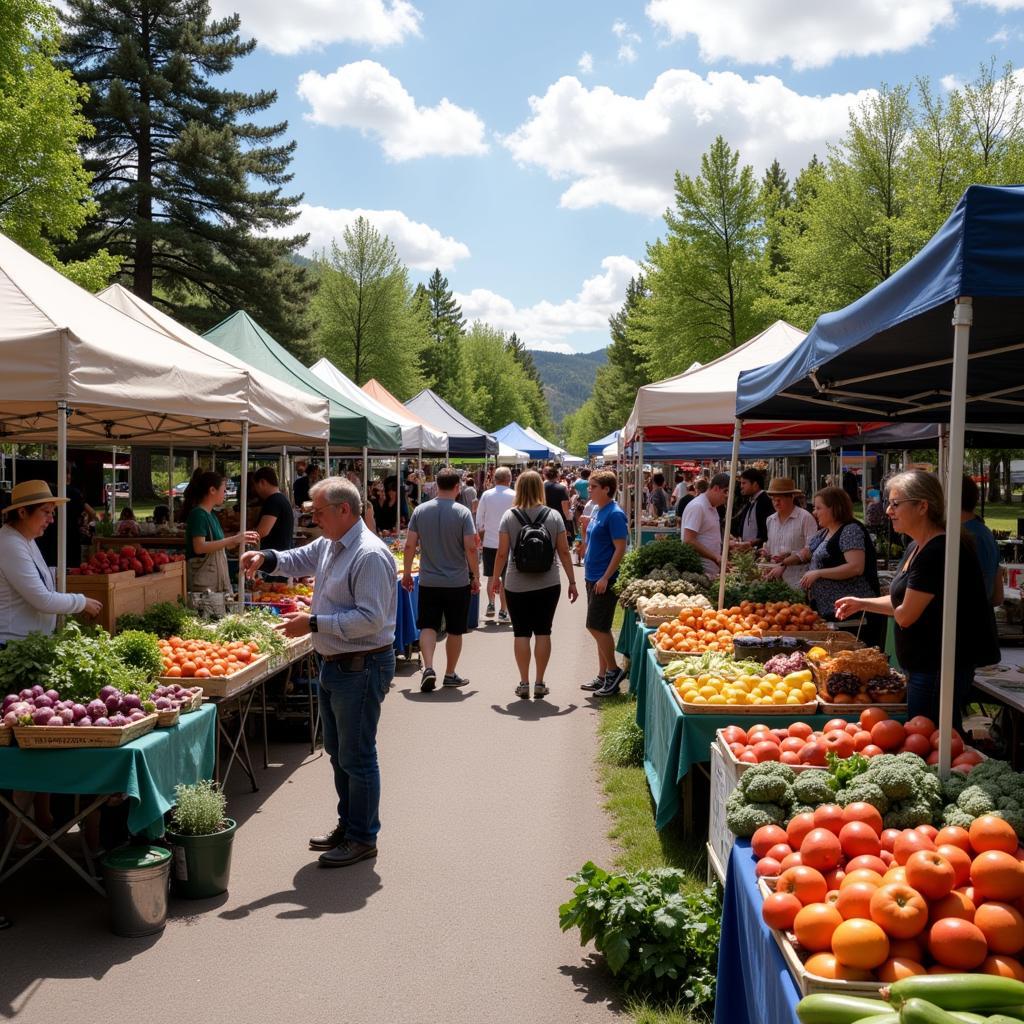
327 458
941 468
638 511
14 466
419 478
113 482
243 501
814 468
864 480
170 474
733 466
962 317
62 492
195 460
366 478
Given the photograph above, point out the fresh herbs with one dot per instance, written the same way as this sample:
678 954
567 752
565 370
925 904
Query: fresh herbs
843 770
139 650
199 809
165 619
661 942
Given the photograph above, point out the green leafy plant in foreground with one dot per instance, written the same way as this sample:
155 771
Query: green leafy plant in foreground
623 746
199 809
660 941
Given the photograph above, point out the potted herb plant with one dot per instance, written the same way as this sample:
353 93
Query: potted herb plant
200 836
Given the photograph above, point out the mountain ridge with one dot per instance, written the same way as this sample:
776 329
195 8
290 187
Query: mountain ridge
568 379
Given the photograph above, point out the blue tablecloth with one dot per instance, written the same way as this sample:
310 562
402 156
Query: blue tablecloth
754 984
406 633
147 769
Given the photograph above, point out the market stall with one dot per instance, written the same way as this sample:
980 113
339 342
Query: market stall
465 438
516 437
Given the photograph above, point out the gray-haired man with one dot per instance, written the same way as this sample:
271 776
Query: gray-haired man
352 619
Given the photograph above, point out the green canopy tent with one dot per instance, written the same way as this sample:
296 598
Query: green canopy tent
353 426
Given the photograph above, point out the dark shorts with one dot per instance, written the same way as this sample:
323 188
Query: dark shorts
489 556
600 608
449 605
532 611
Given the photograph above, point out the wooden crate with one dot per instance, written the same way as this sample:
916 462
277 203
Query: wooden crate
69 737
166 718
227 686
724 778
6 736
122 592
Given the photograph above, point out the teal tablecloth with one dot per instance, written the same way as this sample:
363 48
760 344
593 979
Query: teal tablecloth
674 741
147 769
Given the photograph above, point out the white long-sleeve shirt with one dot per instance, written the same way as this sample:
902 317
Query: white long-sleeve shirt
29 601
492 505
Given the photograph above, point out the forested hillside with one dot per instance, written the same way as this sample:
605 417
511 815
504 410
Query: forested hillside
568 380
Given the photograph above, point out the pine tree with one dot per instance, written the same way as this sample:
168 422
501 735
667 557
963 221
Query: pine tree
441 362
776 198
175 160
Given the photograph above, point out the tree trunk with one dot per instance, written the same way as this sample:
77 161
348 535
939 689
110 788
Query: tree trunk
1007 481
995 492
142 283
142 475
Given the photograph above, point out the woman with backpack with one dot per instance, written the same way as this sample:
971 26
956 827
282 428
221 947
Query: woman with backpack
530 535
842 561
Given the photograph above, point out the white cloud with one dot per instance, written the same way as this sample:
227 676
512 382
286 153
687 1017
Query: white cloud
1001 36
619 28
366 96
313 24
627 54
950 82
419 245
807 32
1001 5
586 63
552 346
623 150
546 324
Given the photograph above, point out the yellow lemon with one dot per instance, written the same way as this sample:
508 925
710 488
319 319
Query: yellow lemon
690 696
717 699
808 689
794 698
700 699
707 691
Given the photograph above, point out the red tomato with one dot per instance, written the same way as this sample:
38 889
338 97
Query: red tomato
908 843
871 750
766 837
921 726
888 735
858 838
868 862
767 868
956 744
813 753
789 757
839 742
861 739
734 734
829 816
766 751
800 729
748 757
779 852
915 743
835 723
792 743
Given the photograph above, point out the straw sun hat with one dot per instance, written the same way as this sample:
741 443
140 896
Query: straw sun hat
782 485
33 492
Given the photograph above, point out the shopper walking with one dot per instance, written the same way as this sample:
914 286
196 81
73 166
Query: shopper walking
490 509
530 538
607 534
443 531
467 494
556 495
352 620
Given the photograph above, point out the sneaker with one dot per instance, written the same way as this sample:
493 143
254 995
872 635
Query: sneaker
428 680
540 690
329 840
490 611
523 690
503 615
595 684
612 683
454 679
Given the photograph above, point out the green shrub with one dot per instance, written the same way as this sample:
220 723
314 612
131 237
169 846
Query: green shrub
623 746
199 809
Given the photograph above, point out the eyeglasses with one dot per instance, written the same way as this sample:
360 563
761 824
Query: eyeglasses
900 501
317 512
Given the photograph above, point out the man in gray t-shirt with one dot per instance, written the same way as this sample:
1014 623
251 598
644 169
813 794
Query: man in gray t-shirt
445 534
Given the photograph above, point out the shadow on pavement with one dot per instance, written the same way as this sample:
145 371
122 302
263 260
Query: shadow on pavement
442 695
317 891
592 981
533 710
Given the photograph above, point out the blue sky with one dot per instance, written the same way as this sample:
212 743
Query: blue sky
528 148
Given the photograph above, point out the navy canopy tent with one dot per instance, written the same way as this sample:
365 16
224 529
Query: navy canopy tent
689 450
515 437
465 438
598 447
939 340
896 436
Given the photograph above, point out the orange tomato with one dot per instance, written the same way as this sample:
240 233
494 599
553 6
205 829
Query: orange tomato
870 717
780 909
1003 967
908 949
798 827
888 734
829 816
821 849
855 899
188 668
862 875
930 874
996 875
899 910
814 925
806 883
866 861
909 842
174 672
960 860
957 943
897 967
825 965
1002 926
860 944
202 673
860 811
991 833
954 904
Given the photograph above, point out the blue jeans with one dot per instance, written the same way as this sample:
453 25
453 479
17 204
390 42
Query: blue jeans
923 695
350 706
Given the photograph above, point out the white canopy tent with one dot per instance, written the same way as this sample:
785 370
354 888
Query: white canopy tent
508 456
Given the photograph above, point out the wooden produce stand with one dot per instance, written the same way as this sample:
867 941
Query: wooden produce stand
122 592
156 540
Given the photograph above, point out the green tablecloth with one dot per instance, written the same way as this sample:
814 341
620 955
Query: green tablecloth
674 741
629 625
147 769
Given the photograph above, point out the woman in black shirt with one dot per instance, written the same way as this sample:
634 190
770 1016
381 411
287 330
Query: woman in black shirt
915 600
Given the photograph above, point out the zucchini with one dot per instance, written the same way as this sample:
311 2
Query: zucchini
832 1008
920 1011
892 1017
957 991
1014 1012
1001 1018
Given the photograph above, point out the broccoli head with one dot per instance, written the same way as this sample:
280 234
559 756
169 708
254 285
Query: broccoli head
800 809
812 787
930 787
914 760
896 780
769 789
907 814
745 819
953 815
976 800
954 786
863 791
769 776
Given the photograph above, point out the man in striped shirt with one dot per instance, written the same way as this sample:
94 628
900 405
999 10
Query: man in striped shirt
352 619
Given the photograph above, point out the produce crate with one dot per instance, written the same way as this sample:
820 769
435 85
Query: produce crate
45 737
165 719
739 767
744 710
724 778
830 708
6 736
122 592
227 686
808 983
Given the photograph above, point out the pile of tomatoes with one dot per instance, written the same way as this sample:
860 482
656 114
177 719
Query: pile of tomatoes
872 734
204 659
873 905
703 629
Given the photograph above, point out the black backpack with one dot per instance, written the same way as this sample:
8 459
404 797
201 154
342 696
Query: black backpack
534 551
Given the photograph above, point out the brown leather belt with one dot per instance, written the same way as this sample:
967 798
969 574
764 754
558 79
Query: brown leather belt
356 654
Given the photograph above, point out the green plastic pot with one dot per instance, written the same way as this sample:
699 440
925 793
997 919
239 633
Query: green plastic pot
202 864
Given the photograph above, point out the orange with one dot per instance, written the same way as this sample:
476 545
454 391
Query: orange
861 944
814 925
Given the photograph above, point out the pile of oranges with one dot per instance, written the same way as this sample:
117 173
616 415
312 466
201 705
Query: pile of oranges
203 659
704 629
871 904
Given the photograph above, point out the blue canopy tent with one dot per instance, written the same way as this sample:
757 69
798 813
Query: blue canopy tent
687 450
891 355
596 448
516 437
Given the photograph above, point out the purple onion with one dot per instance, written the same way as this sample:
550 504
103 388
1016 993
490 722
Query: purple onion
96 709
53 695
66 715
84 721
118 720
38 691
104 722
56 720
78 711
162 703
107 691
113 703
131 702
42 716
10 719
11 698
137 716
26 694
42 701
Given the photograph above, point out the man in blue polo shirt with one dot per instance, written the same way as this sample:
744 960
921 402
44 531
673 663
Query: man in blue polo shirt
607 535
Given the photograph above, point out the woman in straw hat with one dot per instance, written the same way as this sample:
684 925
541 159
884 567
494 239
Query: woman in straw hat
29 600
790 529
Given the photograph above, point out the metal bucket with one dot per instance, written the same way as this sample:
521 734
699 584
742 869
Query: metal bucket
138 878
